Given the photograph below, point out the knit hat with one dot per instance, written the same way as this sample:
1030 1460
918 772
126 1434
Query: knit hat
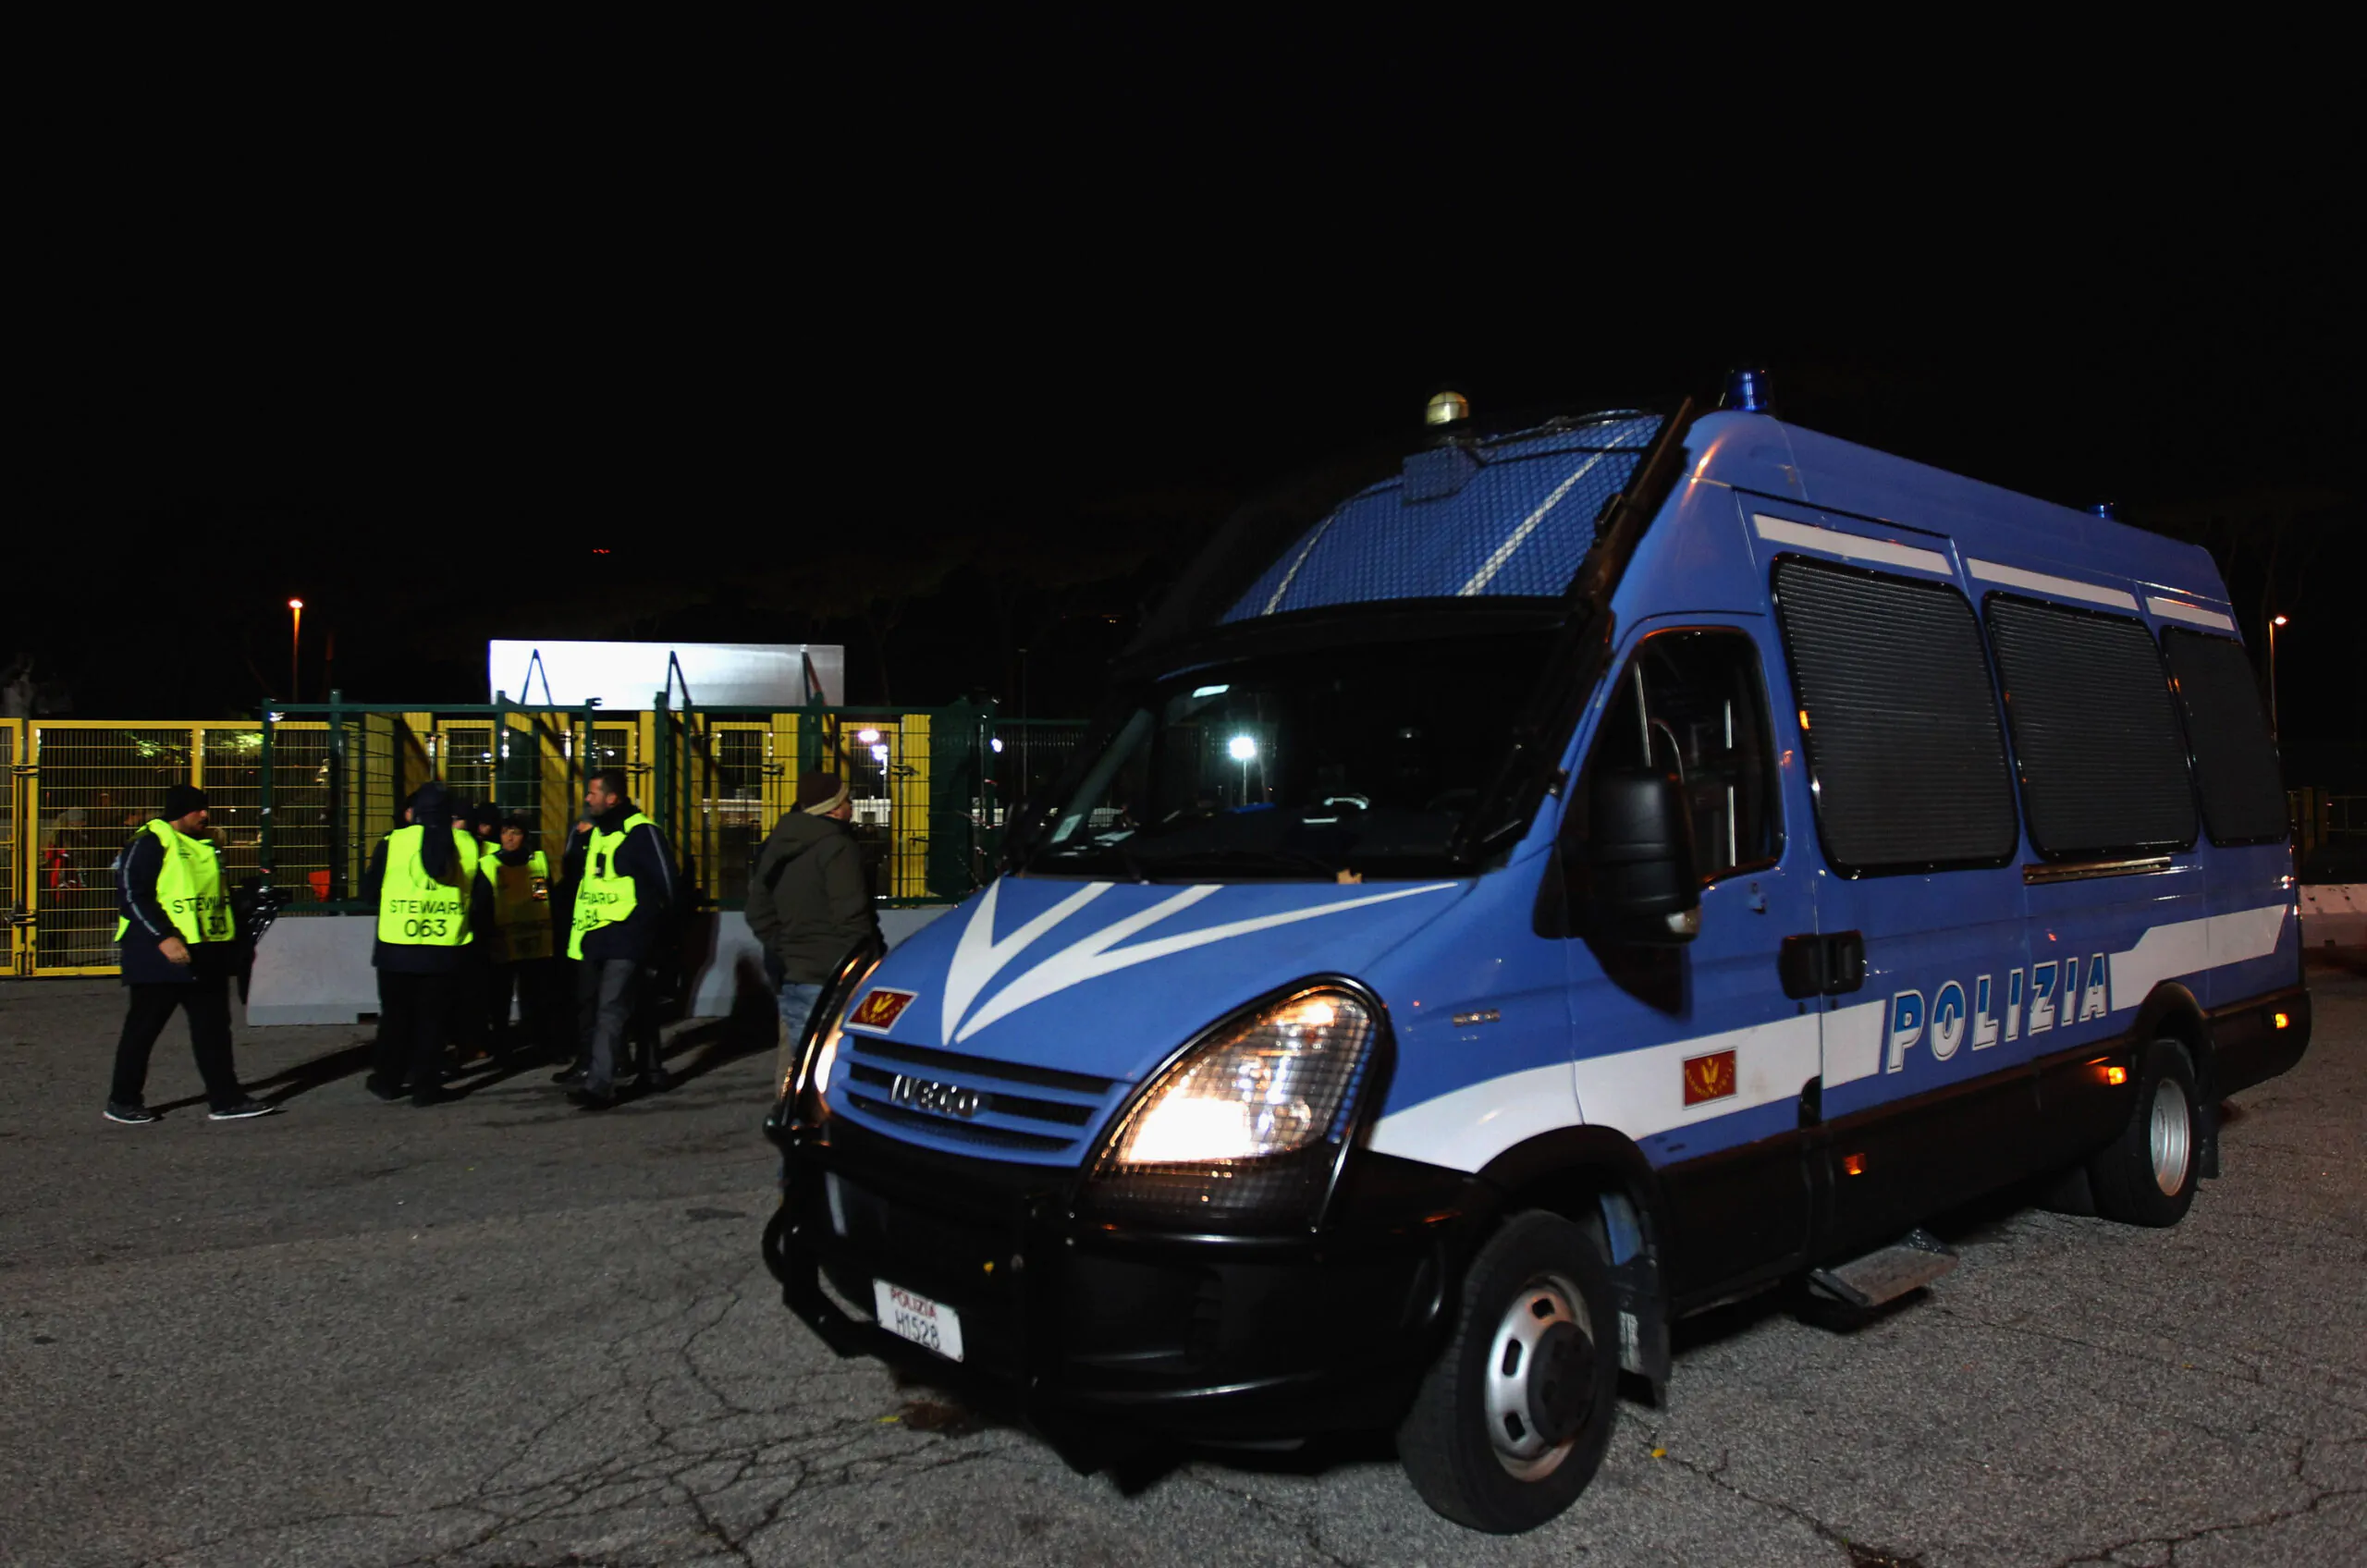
820 794
183 799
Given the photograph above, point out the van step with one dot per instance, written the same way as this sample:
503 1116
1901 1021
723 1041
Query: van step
1914 1260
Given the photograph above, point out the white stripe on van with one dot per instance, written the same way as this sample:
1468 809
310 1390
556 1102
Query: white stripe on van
2188 947
1642 1092
1850 546
2174 609
2044 583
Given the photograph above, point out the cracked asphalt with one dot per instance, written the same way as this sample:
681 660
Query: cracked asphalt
502 1333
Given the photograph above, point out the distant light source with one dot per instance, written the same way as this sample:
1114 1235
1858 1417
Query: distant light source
1746 390
2104 510
298 604
1853 1165
996 742
2280 620
879 754
866 736
1447 408
1240 748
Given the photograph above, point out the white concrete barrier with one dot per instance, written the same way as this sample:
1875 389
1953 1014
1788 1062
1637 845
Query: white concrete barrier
2334 914
315 969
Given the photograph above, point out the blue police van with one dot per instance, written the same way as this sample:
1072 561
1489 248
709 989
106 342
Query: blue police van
1532 886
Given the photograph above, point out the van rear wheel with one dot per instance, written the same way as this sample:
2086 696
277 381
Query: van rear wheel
2146 1176
1514 1417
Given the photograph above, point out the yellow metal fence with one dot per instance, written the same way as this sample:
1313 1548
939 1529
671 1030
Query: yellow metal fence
301 800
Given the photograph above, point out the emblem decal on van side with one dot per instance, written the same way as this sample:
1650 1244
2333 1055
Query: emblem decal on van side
1709 1077
880 1010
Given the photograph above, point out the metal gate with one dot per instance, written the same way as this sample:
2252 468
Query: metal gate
83 789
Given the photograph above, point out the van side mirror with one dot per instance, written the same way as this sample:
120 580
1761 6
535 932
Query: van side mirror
1633 881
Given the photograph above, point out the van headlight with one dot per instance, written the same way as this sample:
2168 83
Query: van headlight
1244 1129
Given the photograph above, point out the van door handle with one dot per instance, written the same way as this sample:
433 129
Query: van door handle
1828 966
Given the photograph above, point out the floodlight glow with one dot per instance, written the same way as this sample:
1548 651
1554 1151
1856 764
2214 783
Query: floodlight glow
996 742
1240 748
866 736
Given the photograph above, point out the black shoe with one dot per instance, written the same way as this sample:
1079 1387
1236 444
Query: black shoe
569 1077
389 1092
130 1115
657 1081
241 1110
585 1099
427 1098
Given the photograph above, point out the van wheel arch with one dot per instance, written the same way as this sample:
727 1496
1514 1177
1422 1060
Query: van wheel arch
1598 1178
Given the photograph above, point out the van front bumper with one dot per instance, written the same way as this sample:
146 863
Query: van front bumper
1085 1325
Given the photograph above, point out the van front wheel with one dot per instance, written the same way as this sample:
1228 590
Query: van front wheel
1512 1419
2146 1176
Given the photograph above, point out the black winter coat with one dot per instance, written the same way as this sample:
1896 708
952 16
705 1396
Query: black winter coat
809 903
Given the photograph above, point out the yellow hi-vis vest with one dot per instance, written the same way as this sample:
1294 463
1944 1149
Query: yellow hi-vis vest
189 888
416 910
604 896
521 910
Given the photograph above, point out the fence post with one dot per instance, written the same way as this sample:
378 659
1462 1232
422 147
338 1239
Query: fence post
662 739
265 840
339 774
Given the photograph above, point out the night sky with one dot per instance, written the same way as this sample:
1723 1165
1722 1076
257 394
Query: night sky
957 345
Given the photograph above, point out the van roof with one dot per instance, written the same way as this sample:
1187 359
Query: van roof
1755 452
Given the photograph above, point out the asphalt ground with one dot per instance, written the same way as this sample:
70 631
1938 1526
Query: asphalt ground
500 1332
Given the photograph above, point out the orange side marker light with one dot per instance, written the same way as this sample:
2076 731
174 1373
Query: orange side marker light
2116 1075
2283 1020
1853 1165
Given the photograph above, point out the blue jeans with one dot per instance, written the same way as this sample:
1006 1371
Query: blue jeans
796 1005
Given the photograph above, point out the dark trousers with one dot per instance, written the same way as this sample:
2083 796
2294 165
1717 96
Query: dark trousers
207 999
411 1029
608 1005
541 1015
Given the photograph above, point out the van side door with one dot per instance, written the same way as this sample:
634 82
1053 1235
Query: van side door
1691 1049
1924 1096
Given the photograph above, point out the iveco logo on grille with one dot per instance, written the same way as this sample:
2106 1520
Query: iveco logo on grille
944 1099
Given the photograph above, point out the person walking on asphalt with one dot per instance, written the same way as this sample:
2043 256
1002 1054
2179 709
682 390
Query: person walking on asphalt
809 904
431 904
180 943
623 897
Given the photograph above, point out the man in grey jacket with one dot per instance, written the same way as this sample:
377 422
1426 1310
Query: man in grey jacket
808 904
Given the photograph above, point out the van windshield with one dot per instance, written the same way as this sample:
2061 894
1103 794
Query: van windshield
1363 758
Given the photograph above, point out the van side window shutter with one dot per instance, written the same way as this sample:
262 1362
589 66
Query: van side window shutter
1904 743
2102 762
2235 758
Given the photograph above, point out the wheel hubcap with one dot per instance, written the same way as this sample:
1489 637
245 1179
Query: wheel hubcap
2170 1137
1540 1377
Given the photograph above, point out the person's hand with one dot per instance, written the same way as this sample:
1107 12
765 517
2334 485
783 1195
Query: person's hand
175 949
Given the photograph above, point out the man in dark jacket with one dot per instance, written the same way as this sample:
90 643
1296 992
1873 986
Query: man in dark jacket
180 947
432 903
808 904
623 906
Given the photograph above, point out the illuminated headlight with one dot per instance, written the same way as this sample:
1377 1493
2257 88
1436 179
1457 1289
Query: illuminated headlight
1246 1126
817 1051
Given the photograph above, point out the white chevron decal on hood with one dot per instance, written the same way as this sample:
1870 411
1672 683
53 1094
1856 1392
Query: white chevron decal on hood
1090 957
979 958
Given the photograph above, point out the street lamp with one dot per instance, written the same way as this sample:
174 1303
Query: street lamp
295 638
1242 748
2273 622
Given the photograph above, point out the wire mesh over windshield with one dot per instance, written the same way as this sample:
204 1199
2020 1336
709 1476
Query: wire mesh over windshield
1511 516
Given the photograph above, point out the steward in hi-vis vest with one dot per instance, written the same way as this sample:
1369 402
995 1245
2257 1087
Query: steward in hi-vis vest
180 947
432 905
622 879
521 921
417 908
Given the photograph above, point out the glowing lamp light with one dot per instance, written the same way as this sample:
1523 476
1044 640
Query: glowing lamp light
2282 1021
298 604
1746 390
879 754
2280 620
868 736
2116 1075
1853 1164
1240 748
996 742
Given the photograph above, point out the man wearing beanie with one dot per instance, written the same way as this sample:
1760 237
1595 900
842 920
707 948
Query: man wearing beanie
808 905
179 944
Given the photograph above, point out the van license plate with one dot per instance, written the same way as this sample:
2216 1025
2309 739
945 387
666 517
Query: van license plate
930 1324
